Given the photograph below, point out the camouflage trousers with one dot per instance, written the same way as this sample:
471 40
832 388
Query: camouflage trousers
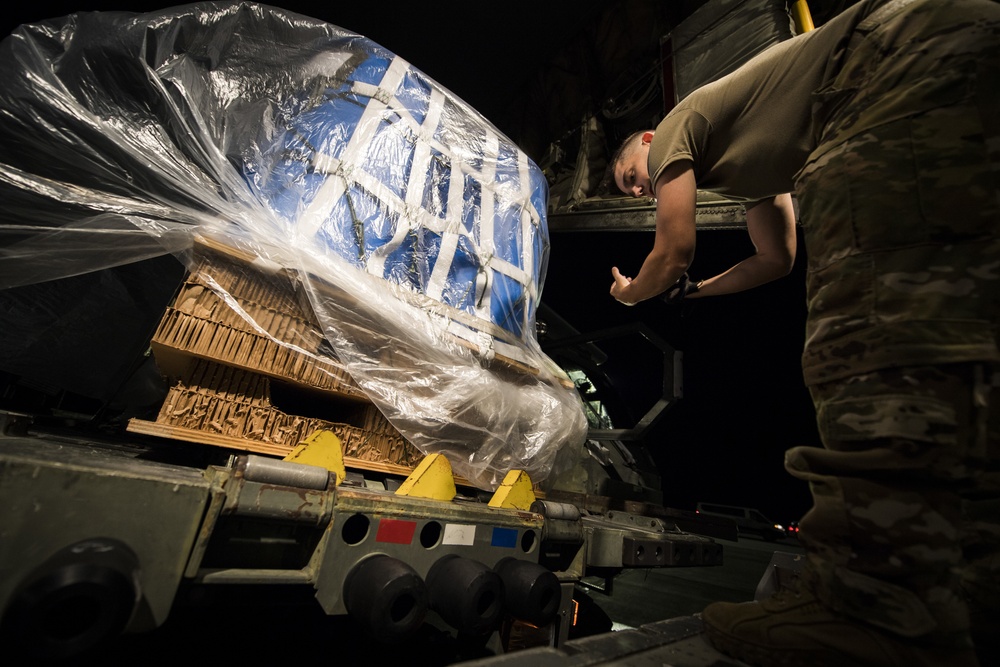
900 207
900 200
906 496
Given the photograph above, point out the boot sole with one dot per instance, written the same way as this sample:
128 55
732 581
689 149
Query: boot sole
766 656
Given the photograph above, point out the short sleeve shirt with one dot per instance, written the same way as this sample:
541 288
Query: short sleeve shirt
748 133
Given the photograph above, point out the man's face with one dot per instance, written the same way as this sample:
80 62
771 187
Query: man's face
632 173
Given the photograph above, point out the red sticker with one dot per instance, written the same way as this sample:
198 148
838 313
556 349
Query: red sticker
395 531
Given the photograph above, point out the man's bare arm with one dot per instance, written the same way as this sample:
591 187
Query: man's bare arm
771 225
673 245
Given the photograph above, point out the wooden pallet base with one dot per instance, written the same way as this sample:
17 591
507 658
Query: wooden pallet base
145 427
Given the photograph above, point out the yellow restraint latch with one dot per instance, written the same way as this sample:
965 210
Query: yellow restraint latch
432 479
322 449
515 492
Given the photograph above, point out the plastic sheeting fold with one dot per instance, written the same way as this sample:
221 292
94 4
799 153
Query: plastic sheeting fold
415 229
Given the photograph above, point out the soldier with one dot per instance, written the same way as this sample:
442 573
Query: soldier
885 123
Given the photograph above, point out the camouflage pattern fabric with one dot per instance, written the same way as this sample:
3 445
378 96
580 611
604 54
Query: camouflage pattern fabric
900 201
900 204
905 452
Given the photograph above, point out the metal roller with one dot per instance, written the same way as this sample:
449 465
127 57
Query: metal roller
271 471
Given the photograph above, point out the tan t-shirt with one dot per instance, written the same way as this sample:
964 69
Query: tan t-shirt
751 131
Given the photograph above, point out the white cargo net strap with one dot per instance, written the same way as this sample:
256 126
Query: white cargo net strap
411 214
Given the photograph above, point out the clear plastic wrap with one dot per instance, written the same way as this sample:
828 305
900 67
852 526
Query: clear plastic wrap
413 231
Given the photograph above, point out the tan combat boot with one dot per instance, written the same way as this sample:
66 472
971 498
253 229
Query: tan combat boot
792 628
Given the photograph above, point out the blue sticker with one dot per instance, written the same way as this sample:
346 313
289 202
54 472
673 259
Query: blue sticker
504 537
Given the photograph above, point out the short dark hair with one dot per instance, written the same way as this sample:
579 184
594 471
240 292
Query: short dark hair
624 150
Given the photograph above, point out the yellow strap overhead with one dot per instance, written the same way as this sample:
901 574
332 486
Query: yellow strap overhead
432 479
802 17
322 449
515 492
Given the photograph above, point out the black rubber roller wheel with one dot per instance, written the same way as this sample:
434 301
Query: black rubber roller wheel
468 595
76 600
387 597
532 592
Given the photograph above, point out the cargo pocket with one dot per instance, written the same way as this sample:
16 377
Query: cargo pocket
849 423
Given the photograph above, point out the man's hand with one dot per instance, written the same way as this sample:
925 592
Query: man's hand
620 283
681 289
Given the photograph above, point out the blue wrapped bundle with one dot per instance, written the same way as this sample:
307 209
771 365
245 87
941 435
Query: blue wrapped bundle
412 229
400 179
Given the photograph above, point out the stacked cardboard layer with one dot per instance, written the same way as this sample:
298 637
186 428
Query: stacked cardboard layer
232 338
288 343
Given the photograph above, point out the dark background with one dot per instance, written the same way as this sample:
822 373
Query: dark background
744 402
